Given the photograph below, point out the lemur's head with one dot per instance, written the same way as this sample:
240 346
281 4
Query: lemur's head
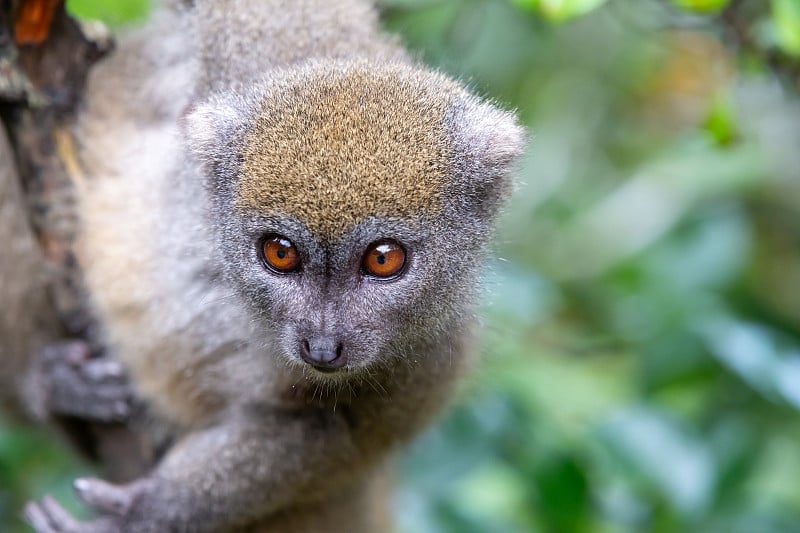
354 203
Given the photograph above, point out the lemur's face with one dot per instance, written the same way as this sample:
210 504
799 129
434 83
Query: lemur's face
354 209
348 304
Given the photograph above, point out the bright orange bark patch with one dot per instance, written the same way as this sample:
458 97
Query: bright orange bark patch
33 21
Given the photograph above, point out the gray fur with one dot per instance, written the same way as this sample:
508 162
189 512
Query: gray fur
209 336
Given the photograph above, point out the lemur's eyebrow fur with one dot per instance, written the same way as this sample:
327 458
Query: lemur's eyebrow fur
334 148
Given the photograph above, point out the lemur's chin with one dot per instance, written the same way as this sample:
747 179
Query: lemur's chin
325 370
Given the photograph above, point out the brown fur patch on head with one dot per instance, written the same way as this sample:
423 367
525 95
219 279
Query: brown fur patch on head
335 145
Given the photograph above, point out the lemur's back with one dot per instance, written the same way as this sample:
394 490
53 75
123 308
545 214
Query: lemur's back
242 48
192 50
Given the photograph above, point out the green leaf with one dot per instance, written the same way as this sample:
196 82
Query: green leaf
654 446
786 17
563 491
721 121
115 13
754 352
702 6
560 10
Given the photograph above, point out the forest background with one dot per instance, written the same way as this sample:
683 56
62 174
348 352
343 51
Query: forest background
641 349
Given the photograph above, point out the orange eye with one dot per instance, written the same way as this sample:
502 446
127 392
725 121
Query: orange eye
280 255
384 259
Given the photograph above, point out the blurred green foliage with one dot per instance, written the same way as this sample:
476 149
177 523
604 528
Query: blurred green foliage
703 6
116 13
641 353
787 22
559 10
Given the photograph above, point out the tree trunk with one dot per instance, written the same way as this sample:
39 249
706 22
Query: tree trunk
45 57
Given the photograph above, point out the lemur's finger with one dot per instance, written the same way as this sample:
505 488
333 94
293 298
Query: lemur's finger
59 517
103 369
103 496
37 518
74 352
47 516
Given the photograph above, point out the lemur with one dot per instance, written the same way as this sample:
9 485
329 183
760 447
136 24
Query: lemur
284 219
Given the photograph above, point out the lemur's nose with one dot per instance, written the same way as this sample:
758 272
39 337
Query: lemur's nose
323 353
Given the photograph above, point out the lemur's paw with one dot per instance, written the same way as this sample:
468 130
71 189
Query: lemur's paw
116 505
47 516
79 385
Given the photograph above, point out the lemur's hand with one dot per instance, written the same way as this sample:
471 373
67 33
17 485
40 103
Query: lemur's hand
77 384
123 508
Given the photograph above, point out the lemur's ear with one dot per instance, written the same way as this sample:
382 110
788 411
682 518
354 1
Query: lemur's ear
487 142
211 125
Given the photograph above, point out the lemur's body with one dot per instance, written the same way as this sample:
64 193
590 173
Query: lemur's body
230 121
